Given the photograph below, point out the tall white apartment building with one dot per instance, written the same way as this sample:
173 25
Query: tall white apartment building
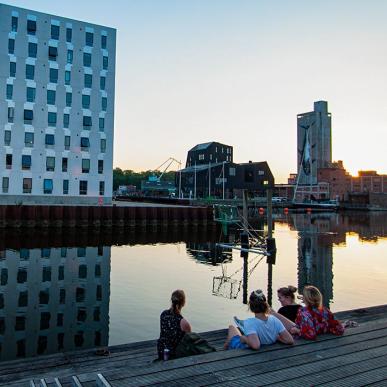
56 109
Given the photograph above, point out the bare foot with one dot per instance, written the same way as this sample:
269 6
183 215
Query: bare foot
226 344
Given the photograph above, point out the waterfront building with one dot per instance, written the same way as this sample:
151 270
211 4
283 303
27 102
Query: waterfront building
210 171
57 109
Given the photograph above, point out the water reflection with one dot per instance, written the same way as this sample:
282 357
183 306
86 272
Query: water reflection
53 299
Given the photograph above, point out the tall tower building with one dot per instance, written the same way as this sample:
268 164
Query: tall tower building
56 109
314 142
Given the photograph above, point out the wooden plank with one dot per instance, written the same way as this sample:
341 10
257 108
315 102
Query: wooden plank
101 381
76 382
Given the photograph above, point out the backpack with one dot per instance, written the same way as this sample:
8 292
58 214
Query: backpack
192 344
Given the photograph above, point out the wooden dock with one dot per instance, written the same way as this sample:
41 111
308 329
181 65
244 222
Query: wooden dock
358 358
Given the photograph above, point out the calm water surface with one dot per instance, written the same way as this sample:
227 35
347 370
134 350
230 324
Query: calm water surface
59 292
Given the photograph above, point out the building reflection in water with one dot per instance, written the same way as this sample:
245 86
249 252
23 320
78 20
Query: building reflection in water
53 299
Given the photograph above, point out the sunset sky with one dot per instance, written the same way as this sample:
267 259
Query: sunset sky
239 72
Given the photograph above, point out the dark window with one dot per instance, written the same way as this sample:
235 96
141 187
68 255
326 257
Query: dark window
30 71
51 117
105 62
52 53
59 320
32 50
82 271
89 39
51 96
101 124
7 137
102 188
20 323
31 27
86 122
26 162
85 165
88 79
69 99
1 301
83 187
47 186
67 77
50 163
5 184
65 187
46 274
66 120
104 103
97 314
103 41
31 93
8 161
21 275
60 341
12 69
45 320
54 75
82 315
24 254
97 338
80 295
78 339
11 46
69 34
100 166
63 252
49 139
62 296
100 251
45 252
81 252
69 56
21 348
102 83
27 184
85 143
11 114
54 32
64 164
28 116
28 139
9 91
85 101
23 299
44 297
86 59
103 145
98 294
97 271
67 141
4 277
14 23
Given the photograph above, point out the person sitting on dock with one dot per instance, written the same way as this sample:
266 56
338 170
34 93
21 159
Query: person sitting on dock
314 319
287 298
262 329
173 327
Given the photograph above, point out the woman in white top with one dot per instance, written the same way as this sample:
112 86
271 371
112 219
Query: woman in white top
262 329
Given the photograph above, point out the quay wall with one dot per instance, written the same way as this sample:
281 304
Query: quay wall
44 216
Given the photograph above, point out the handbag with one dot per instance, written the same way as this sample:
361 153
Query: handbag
193 344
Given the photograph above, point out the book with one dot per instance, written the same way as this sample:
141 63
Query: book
240 324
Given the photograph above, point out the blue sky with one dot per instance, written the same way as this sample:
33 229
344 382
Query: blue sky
239 72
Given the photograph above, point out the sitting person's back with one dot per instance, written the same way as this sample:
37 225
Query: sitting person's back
267 329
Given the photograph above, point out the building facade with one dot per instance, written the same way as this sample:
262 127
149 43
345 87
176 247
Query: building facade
57 111
209 153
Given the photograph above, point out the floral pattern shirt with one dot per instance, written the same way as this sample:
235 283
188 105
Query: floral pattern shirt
316 321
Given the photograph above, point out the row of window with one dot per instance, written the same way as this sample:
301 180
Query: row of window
55 32
48 186
54 76
52 118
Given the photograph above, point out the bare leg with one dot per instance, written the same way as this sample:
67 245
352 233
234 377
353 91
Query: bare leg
232 331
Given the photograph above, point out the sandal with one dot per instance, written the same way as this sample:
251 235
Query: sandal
102 352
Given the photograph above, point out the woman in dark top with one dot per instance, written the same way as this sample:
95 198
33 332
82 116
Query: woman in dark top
173 326
287 298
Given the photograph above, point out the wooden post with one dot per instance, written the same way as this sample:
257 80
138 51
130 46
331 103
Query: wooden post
245 210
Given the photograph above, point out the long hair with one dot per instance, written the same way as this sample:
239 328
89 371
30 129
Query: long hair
177 301
288 291
257 302
312 296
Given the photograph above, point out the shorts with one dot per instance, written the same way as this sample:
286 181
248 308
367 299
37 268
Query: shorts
235 343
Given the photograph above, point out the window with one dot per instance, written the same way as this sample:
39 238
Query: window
80 295
50 165
32 50
65 187
82 271
52 53
86 122
24 254
89 39
103 41
14 24
11 46
9 91
3 279
231 171
54 75
5 184
70 56
62 296
51 96
67 77
82 187
100 166
86 59
102 188
30 71
85 165
20 323
69 99
7 137
31 27
67 142
11 114
85 143
85 101
104 104
46 274
27 185
101 125
12 69
81 252
44 297
8 161
51 119
49 139
69 34
60 273
22 276
105 62
66 120
103 145
97 270
64 164
98 292
54 32
28 139
31 93
28 116
26 162
88 80
47 186
102 83
23 299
